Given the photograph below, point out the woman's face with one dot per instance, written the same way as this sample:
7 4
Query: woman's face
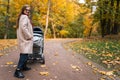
27 11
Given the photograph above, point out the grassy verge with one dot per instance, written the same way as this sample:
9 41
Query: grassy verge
104 52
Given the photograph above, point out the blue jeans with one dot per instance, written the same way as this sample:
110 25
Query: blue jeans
22 61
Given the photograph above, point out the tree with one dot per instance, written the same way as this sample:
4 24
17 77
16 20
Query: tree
54 20
116 26
7 19
5 6
48 10
107 15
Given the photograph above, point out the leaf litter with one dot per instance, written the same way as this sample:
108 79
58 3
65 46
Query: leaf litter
75 67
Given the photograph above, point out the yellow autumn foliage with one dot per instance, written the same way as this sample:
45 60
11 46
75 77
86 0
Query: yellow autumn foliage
44 73
9 63
7 45
64 33
88 24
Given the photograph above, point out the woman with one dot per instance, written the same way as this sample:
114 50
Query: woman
25 40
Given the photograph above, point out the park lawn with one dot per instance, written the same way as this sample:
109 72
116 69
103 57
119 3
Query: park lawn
105 52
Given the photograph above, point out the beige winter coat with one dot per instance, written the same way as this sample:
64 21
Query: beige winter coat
25 35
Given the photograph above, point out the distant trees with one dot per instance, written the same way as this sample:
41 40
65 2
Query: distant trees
4 17
108 14
53 17
63 18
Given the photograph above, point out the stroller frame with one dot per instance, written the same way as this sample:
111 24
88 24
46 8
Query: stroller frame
38 46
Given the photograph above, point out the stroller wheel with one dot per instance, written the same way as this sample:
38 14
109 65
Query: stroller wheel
42 59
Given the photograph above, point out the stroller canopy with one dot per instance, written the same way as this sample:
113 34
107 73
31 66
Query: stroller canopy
37 30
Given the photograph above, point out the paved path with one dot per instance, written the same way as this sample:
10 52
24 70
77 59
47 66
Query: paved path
61 64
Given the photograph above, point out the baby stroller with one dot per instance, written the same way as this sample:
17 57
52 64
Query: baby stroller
38 46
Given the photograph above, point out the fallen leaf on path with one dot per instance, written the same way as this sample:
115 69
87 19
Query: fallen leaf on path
93 66
14 65
102 72
56 54
109 73
44 73
43 66
112 77
74 67
94 71
9 63
77 68
102 79
89 63
9 71
55 63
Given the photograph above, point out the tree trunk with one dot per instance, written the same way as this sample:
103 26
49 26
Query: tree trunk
90 32
32 9
103 27
108 27
102 21
116 22
101 18
53 29
109 22
7 20
106 21
48 10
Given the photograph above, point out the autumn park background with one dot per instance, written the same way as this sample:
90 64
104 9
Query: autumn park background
99 29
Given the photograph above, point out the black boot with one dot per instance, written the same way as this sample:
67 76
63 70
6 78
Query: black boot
18 74
22 60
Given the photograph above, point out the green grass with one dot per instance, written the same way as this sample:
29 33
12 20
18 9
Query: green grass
103 52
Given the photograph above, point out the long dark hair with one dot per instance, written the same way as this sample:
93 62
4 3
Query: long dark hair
22 12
